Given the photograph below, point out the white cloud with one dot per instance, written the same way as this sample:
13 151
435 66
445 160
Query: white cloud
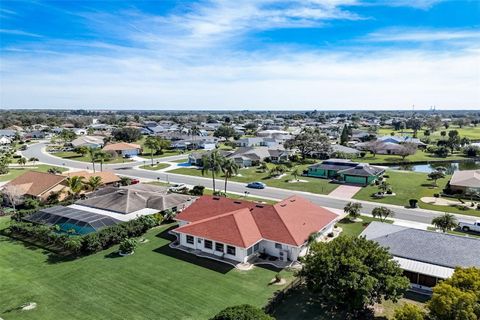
419 35
316 80
19 33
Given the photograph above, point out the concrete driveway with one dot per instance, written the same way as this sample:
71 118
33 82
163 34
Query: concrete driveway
345 192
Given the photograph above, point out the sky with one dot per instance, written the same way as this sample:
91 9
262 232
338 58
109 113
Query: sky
240 54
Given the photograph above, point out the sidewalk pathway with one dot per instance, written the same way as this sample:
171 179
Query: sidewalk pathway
345 192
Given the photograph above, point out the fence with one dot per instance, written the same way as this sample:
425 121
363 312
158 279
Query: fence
280 295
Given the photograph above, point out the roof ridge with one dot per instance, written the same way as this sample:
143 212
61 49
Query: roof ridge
281 218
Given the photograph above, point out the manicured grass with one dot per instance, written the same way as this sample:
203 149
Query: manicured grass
15 172
71 155
180 160
419 156
314 185
355 228
411 185
300 304
155 167
146 151
458 232
155 283
469 132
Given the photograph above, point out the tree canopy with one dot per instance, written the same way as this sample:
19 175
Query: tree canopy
353 273
309 141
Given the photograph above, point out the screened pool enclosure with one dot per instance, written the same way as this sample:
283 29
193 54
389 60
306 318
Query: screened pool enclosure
70 219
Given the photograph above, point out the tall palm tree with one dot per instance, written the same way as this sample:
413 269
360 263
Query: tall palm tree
94 182
102 156
446 222
353 209
295 173
75 184
212 163
194 131
21 161
152 144
229 168
92 153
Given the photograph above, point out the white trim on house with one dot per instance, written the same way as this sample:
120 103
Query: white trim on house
425 268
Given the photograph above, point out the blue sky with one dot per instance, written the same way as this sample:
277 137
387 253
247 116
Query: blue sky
263 54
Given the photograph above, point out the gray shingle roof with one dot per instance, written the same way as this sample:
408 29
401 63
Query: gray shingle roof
425 246
362 170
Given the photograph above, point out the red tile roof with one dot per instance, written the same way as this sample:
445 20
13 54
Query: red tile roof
243 223
120 146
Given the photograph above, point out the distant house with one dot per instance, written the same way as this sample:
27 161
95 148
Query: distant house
37 185
35 134
7 133
79 131
252 156
195 158
426 257
124 149
336 149
88 141
108 177
241 230
346 171
465 181
402 140
249 142
5 140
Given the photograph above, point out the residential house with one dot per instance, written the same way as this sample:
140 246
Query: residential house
108 177
465 181
252 156
95 142
5 140
37 185
110 206
124 149
345 170
426 257
195 158
8 133
249 142
36 134
402 140
240 230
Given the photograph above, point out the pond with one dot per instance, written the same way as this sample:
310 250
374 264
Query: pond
427 168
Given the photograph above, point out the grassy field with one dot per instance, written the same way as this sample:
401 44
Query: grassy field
472 133
299 304
146 151
155 167
15 172
155 283
419 156
355 228
411 185
314 185
71 155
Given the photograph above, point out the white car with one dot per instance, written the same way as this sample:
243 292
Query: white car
177 187
466 226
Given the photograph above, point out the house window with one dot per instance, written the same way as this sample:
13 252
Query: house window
208 244
231 250
249 251
256 247
278 246
199 240
189 239
218 247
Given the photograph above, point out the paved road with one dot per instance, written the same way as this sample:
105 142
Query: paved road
415 215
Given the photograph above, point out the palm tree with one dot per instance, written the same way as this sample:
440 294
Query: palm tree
353 209
94 182
33 159
263 166
92 153
152 144
445 222
229 168
21 161
382 213
194 131
102 156
212 163
54 171
75 184
384 186
295 173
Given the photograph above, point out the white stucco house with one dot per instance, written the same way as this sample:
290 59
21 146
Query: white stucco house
240 230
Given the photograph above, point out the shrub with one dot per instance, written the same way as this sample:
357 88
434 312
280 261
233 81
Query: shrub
197 191
128 246
413 203
242 312
436 195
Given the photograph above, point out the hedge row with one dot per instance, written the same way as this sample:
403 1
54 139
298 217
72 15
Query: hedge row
89 243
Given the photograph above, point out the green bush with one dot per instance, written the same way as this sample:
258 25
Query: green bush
128 245
242 312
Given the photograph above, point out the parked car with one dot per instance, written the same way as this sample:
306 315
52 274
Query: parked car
128 156
256 185
177 187
24 147
134 181
466 226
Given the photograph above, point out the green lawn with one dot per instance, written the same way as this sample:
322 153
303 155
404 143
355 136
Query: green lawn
146 151
314 185
15 172
158 166
469 132
419 156
411 185
300 304
355 228
71 155
155 283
